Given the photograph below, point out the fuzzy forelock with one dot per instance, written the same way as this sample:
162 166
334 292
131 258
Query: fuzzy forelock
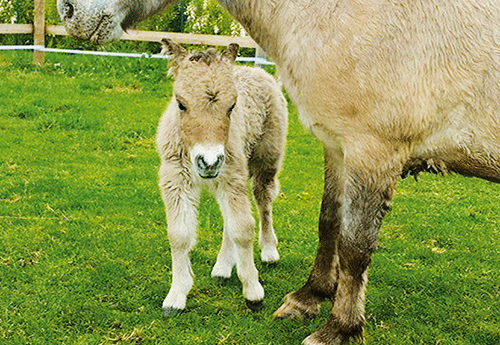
207 56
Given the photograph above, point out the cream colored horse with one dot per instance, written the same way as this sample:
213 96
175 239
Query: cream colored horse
224 124
390 87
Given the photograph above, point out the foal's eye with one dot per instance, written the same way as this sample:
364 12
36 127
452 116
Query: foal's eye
181 105
230 110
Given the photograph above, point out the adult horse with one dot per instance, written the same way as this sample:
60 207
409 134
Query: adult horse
390 87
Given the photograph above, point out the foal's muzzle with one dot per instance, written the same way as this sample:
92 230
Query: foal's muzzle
208 160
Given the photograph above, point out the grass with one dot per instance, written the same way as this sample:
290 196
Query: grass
84 256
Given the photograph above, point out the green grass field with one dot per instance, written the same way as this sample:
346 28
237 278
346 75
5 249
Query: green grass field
84 256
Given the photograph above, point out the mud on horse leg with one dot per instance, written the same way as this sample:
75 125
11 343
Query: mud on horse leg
322 282
367 199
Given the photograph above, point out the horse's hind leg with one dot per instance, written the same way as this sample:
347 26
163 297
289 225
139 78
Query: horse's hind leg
368 188
322 280
358 190
266 188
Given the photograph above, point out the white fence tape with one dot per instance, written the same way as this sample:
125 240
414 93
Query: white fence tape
21 47
256 60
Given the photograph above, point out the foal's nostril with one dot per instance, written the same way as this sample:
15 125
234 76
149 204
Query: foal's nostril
220 160
210 168
200 162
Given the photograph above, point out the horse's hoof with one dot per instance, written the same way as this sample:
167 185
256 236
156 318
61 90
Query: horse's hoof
285 312
220 280
255 306
332 337
170 311
294 309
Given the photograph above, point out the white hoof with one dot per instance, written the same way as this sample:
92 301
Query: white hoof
222 270
269 255
254 292
174 301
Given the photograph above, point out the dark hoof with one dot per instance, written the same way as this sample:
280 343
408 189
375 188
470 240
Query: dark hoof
220 280
255 306
169 311
270 264
295 308
336 334
333 337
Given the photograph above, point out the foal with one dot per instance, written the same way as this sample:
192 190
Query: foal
224 125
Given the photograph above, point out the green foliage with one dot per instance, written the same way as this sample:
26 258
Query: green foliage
20 10
84 255
6 11
171 20
208 17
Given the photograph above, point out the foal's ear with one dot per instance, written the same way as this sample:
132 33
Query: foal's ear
176 51
171 48
232 52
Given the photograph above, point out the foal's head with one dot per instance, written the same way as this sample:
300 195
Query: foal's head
205 93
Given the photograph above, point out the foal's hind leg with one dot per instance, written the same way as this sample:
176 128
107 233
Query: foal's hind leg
266 188
238 234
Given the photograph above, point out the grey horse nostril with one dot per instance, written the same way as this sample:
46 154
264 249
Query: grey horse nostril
69 10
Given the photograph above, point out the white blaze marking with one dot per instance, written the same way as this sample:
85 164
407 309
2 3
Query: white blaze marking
209 152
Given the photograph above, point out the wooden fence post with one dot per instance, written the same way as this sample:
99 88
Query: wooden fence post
39 31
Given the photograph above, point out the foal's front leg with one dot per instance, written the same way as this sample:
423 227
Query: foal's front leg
226 259
238 236
181 209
